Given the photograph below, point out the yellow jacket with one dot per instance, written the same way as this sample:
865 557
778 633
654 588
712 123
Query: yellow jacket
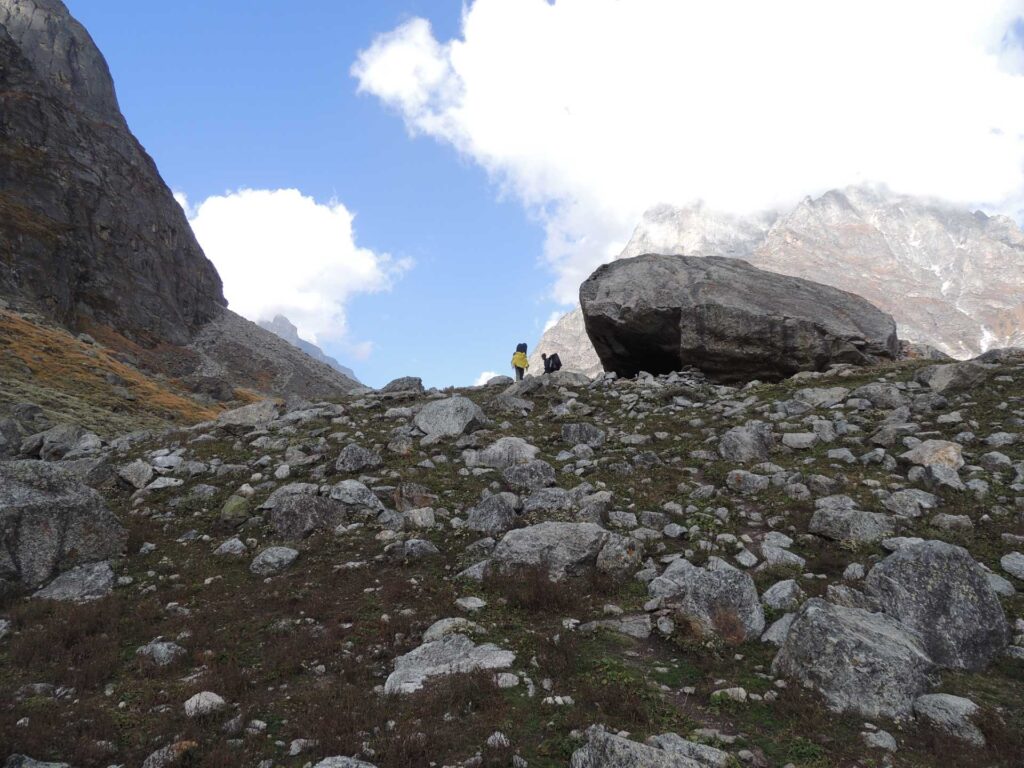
519 360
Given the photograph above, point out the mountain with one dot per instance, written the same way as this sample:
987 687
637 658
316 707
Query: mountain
568 338
951 278
92 238
282 327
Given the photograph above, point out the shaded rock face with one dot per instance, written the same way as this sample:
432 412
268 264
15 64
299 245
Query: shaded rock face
90 230
859 661
731 320
50 522
938 591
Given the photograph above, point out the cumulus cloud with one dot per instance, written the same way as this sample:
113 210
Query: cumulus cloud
484 377
281 252
591 111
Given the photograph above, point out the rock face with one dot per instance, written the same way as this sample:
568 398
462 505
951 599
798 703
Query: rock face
860 662
283 328
731 320
559 547
938 591
568 339
50 522
90 229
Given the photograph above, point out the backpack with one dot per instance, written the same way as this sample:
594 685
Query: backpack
555 362
521 347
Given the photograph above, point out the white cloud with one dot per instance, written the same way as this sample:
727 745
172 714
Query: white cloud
484 377
279 251
590 111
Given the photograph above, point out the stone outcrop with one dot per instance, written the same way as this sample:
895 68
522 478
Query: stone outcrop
285 329
731 320
50 522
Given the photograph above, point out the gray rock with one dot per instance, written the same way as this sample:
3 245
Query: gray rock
951 715
910 502
720 602
337 761
450 417
503 453
251 415
620 556
777 632
746 483
821 397
204 703
747 444
886 396
357 499
638 626
82 584
705 756
585 434
733 321
161 652
449 655
493 515
783 596
296 516
858 661
938 591
931 453
355 458
531 476
799 441
953 377
560 547
137 473
273 560
605 750
50 521
405 384
1013 564
23 761
851 525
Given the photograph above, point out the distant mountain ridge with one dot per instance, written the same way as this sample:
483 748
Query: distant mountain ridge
282 327
952 279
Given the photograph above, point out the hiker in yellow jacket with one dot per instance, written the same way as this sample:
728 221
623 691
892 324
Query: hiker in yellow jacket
519 361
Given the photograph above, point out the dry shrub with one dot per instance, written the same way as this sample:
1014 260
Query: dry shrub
728 626
73 645
529 588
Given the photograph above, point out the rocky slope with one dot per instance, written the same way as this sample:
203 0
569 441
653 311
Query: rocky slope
284 328
368 582
92 237
952 279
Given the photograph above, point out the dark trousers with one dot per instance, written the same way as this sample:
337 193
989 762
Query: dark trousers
519 372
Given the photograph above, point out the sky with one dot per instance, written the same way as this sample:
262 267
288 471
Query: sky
419 185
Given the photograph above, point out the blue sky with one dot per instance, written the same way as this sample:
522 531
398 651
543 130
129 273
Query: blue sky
226 95
493 156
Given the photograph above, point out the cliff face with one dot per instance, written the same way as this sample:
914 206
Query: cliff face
89 232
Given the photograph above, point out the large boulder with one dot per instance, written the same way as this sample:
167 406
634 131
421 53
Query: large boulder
719 600
953 377
560 547
50 522
859 661
493 515
938 591
749 443
731 320
450 417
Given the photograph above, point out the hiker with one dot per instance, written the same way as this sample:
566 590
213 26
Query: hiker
551 364
519 361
